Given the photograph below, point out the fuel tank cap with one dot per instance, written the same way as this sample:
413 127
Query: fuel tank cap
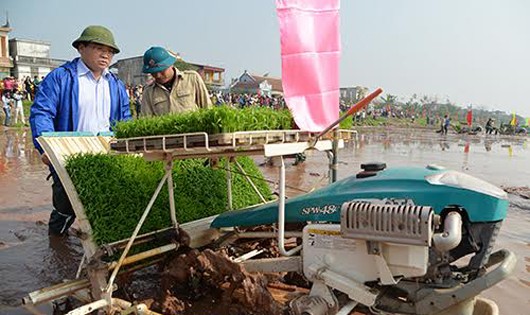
373 166
435 167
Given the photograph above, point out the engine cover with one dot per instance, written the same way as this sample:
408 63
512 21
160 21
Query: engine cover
373 221
360 260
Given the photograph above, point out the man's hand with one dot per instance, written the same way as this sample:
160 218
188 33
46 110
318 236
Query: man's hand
44 158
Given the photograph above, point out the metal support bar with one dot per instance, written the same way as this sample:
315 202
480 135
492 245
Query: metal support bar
229 184
330 165
73 287
440 299
123 306
248 255
281 215
335 150
144 238
267 234
54 292
130 308
355 290
172 211
89 308
147 254
250 182
346 309
136 230
81 265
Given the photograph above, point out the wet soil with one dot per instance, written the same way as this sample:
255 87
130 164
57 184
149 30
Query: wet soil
30 260
201 273
208 281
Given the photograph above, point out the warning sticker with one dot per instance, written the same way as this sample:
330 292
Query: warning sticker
329 240
323 232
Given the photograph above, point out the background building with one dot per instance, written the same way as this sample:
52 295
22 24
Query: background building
129 70
31 58
212 76
255 84
354 94
5 61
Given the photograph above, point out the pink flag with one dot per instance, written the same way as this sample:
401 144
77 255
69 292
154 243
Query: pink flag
310 47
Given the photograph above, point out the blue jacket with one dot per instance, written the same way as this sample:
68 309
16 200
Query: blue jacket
56 104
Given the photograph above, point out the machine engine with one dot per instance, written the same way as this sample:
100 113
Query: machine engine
390 256
400 240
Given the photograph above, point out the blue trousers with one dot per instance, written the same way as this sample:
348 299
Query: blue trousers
7 111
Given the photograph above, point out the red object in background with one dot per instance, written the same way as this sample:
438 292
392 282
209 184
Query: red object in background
364 102
469 117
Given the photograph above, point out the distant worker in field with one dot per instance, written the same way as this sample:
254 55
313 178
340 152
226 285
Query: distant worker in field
490 126
444 125
447 123
81 95
172 91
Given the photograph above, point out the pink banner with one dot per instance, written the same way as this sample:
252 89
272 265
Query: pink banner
310 48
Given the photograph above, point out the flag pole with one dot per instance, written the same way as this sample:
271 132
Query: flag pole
354 109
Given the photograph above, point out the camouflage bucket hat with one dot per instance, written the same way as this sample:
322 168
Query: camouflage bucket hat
97 34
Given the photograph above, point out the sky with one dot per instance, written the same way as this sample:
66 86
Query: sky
470 52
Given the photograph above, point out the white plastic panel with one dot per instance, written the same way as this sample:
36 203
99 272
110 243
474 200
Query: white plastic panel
324 247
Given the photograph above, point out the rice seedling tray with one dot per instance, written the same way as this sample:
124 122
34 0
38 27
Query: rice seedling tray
201 140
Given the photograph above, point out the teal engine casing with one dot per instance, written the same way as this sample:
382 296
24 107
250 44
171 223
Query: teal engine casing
390 238
481 205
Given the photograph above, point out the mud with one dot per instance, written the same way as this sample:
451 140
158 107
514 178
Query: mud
200 274
30 260
209 280
523 192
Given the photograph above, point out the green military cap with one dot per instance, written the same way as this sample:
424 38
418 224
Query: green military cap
97 34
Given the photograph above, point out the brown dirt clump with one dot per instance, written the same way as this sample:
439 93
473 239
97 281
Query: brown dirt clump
172 305
523 192
197 274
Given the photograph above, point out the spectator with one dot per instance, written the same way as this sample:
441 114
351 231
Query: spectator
28 87
100 100
162 96
6 102
19 108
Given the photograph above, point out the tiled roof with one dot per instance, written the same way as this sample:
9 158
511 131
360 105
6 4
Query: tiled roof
274 82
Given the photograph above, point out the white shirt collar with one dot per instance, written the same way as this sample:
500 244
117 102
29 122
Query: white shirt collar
82 70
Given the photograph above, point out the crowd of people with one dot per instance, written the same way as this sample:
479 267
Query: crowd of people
12 107
25 85
217 98
248 99
13 91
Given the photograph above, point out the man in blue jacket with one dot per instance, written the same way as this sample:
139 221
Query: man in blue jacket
81 95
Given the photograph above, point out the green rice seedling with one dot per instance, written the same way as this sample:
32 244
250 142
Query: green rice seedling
220 119
115 190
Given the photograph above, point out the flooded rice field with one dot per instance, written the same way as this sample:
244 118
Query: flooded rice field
30 260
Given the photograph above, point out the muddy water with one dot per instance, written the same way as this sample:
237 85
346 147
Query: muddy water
30 260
